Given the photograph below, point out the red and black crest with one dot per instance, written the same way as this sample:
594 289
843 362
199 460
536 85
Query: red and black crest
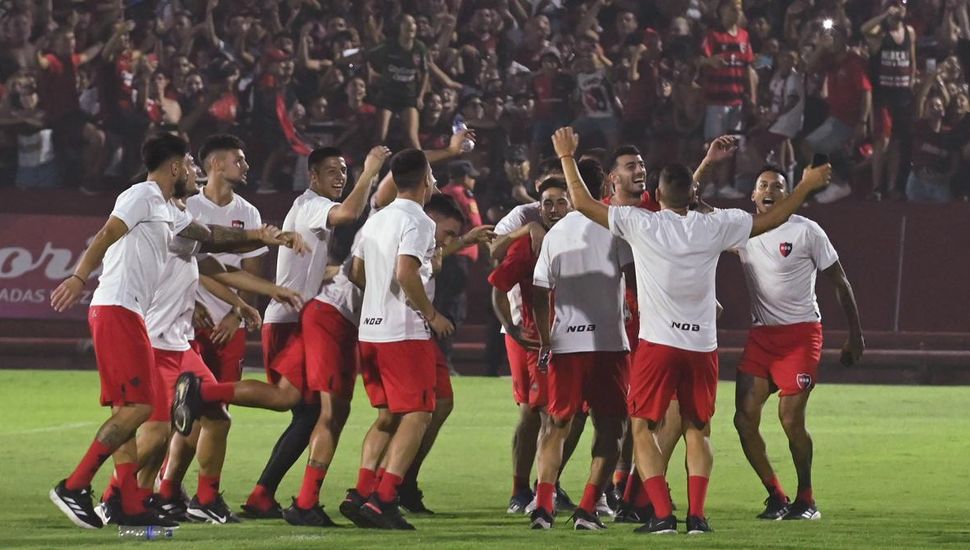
239 224
785 249
804 381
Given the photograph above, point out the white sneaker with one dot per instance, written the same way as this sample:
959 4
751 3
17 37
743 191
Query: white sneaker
602 508
532 505
728 192
834 192
709 191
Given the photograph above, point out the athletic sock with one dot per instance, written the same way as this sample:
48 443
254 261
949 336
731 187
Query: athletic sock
656 488
215 392
95 456
113 488
696 495
632 493
365 481
619 476
260 498
144 493
168 490
387 490
208 489
289 447
805 495
131 501
377 479
520 484
640 497
545 496
591 496
310 489
774 487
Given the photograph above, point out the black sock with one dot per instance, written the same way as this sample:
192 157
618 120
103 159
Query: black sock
290 445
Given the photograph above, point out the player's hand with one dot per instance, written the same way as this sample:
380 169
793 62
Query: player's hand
375 159
817 178
852 350
722 148
565 141
66 294
545 356
270 235
536 233
287 297
295 242
440 324
251 317
227 327
479 235
526 342
454 144
201 317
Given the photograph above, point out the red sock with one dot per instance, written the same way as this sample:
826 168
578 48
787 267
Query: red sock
260 498
805 495
656 488
131 500
520 484
219 393
591 496
310 489
545 495
378 478
95 456
113 488
640 497
774 487
618 477
696 495
631 492
144 493
208 489
387 490
168 490
365 481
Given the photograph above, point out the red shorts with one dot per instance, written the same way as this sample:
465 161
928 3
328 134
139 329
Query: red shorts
787 355
124 354
659 373
399 375
890 119
442 378
598 378
168 366
290 363
275 337
225 362
331 350
529 386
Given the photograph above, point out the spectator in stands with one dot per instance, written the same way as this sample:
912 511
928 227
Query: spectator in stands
933 162
402 63
35 148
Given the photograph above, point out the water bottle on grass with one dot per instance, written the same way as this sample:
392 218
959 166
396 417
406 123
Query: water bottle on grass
146 532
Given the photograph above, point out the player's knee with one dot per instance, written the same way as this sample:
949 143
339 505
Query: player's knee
443 407
793 424
743 422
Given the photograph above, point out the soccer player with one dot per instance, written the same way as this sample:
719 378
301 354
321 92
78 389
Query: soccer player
393 264
314 215
675 253
134 246
580 268
785 341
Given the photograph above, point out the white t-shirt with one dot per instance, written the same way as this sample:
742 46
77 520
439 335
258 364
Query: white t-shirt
790 123
169 318
238 213
308 217
582 263
341 293
780 268
516 218
134 263
676 262
400 229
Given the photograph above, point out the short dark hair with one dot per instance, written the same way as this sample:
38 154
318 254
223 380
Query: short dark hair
321 154
775 169
219 142
446 206
160 148
675 183
409 167
622 151
550 164
592 173
553 183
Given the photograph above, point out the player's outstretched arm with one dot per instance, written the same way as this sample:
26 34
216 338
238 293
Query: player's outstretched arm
409 277
482 234
241 311
855 345
218 238
247 282
565 141
814 179
67 293
351 209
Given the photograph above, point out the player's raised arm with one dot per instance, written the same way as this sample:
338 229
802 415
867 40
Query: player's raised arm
67 293
565 141
855 345
350 209
814 179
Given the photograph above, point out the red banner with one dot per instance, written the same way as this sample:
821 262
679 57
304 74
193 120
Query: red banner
36 254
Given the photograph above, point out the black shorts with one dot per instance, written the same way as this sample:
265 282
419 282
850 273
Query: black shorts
395 102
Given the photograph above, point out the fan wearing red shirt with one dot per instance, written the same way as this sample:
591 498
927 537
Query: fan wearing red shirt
528 384
728 75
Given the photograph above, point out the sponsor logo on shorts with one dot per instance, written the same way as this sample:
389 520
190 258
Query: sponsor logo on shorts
580 328
804 380
686 327
373 321
237 223
785 249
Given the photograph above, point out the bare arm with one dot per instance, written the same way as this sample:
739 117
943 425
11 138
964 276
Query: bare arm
247 282
254 267
500 245
351 209
218 238
408 276
68 292
540 308
475 236
565 141
813 180
721 149
357 273
855 345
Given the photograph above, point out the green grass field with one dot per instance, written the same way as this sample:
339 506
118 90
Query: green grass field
892 470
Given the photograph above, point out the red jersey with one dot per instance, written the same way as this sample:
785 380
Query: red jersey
57 86
726 85
847 82
469 207
646 201
517 268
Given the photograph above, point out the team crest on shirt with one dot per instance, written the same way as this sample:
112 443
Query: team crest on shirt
804 380
238 224
785 249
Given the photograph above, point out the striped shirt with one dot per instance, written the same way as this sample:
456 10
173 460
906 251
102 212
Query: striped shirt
726 85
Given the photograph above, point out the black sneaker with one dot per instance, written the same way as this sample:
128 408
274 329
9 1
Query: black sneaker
697 525
109 510
657 526
412 499
384 515
350 508
215 512
185 404
584 521
76 505
614 496
252 512
312 517
775 508
628 513
563 502
803 510
173 508
520 501
148 517
540 519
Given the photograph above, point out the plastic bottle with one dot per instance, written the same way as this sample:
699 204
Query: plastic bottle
459 126
148 532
